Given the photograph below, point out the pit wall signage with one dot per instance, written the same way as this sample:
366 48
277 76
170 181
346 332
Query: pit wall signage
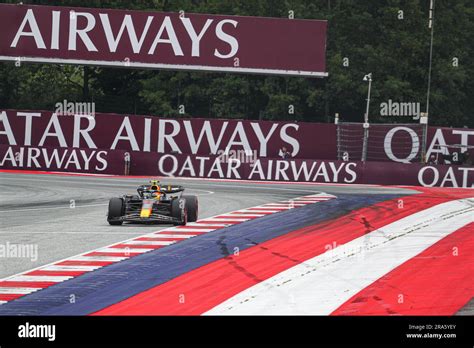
162 40
84 160
165 135
213 137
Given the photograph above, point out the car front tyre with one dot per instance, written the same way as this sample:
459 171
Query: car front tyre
116 208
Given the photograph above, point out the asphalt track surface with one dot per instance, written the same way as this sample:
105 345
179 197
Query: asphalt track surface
65 215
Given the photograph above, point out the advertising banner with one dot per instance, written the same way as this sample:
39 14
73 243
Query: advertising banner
119 162
163 40
165 135
76 160
197 136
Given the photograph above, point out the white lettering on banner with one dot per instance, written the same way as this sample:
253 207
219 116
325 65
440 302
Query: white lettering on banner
465 177
84 133
35 31
216 167
187 167
448 177
388 144
335 171
232 41
73 159
232 168
195 136
54 156
10 157
178 136
205 130
161 163
58 132
290 140
102 160
261 138
33 157
172 39
82 33
281 168
239 131
28 125
7 128
438 144
162 136
130 136
70 159
322 172
169 165
464 137
202 162
195 38
257 168
303 167
146 135
318 171
55 30
166 34
351 172
127 24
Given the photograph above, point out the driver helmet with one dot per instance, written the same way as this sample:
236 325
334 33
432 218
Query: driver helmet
155 188
154 185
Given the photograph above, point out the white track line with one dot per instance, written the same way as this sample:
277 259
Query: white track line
226 218
264 211
66 206
93 258
149 242
177 229
124 250
320 285
166 235
207 223
30 278
284 205
70 268
304 202
13 290
210 224
244 215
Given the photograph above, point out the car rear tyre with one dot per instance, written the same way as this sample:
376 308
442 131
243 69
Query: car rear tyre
191 207
115 211
178 211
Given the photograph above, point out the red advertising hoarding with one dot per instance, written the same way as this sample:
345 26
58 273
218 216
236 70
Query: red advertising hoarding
217 148
163 40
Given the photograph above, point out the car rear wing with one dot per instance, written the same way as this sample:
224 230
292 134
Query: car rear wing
171 188
167 189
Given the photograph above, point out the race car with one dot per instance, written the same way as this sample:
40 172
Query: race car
154 203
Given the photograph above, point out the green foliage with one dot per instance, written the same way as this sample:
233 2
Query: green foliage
370 34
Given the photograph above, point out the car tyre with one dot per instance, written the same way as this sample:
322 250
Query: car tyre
178 211
116 209
191 207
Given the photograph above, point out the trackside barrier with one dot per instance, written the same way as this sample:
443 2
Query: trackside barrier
119 162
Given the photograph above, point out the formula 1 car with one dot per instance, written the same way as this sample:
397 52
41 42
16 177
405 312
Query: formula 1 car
154 203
